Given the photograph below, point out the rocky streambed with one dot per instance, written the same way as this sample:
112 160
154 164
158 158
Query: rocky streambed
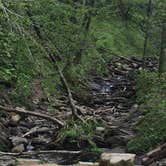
112 101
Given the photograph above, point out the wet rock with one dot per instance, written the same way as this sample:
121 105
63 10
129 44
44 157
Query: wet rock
95 86
117 159
29 147
7 161
4 141
100 130
18 149
18 140
162 162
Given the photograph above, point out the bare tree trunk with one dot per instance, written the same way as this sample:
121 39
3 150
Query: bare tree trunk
162 58
124 10
149 13
85 26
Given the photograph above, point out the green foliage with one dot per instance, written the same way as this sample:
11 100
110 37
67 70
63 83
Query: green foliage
61 27
151 129
81 134
114 37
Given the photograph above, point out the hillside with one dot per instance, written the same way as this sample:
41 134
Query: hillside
82 78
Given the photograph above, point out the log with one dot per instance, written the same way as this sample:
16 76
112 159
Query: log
32 153
25 112
154 155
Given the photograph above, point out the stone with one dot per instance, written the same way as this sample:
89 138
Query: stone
100 130
15 119
117 159
32 162
18 149
162 162
18 140
5 143
7 161
87 164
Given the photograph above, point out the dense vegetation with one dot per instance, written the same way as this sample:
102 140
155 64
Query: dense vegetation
82 37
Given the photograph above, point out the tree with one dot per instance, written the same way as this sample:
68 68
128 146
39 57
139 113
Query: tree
148 22
88 7
162 58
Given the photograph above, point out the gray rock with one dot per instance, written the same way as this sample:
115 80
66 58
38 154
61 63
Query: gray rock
18 140
18 149
117 159
15 119
87 164
162 162
7 161
5 143
100 130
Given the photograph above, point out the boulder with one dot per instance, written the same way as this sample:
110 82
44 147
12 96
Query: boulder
117 159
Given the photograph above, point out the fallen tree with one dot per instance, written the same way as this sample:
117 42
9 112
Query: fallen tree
154 155
25 112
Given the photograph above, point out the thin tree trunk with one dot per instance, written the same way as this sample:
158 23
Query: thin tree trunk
124 10
149 13
85 26
162 58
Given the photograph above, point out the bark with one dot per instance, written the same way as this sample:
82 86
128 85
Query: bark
162 57
124 10
85 26
22 111
149 13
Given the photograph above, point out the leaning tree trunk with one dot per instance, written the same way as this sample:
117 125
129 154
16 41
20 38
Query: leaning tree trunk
52 57
162 58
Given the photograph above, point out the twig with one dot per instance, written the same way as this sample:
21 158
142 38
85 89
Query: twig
22 111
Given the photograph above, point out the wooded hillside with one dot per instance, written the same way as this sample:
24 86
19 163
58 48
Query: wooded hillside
82 77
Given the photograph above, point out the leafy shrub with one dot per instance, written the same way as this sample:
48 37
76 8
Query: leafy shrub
151 129
81 135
